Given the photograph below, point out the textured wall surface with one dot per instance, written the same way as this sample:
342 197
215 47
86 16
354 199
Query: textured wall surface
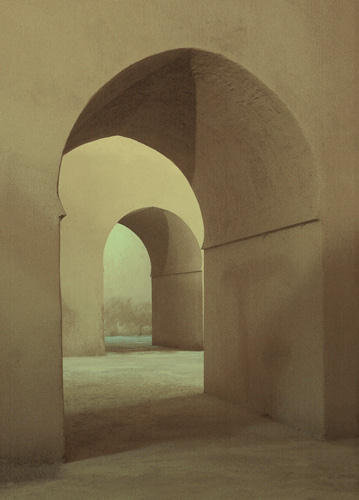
57 55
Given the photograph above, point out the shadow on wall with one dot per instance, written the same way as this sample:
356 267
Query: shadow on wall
125 317
69 319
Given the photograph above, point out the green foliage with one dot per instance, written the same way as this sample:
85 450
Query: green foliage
123 317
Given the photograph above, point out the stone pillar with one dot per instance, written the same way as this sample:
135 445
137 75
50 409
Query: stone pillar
264 324
31 402
82 288
177 318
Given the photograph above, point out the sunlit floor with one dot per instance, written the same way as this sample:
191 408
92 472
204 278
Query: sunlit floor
138 426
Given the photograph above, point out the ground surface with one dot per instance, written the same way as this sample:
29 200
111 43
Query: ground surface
139 427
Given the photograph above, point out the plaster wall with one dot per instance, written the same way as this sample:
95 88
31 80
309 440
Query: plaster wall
57 55
264 295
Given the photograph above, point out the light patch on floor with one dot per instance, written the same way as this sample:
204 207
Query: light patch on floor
122 343
138 426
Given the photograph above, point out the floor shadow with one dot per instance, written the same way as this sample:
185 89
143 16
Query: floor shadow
17 473
113 430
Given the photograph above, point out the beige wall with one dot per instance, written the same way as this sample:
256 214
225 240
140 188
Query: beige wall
100 183
57 55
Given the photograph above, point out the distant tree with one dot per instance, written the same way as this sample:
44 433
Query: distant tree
123 317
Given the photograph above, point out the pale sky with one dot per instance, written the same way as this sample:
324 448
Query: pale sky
127 266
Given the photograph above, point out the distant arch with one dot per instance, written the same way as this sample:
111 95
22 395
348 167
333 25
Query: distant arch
100 183
176 272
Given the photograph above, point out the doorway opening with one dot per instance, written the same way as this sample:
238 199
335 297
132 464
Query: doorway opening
127 304
133 395
138 345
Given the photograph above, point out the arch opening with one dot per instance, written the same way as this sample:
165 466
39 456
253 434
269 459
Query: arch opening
236 142
244 155
89 187
176 273
127 289
167 247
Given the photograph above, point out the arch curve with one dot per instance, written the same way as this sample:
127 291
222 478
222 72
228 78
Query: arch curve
237 143
170 242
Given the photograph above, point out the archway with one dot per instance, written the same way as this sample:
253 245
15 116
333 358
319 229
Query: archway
176 277
252 171
111 392
91 190
176 261
127 291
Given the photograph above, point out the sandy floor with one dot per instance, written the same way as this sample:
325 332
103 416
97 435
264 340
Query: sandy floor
139 427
